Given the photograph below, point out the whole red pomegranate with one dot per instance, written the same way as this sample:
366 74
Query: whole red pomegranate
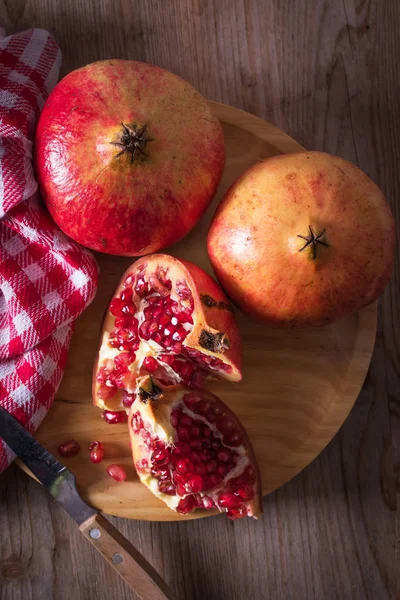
302 239
128 156
167 318
191 451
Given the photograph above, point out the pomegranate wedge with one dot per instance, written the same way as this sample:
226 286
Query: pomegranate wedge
192 452
170 319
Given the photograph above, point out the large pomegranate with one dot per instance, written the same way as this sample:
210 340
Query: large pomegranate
302 239
191 451
167 318
128 156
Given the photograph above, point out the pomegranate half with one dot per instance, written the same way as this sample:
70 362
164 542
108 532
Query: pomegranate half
167 318
128 156
191 451
302 239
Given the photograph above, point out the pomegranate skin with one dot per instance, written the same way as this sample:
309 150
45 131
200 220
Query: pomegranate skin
260 240
109 203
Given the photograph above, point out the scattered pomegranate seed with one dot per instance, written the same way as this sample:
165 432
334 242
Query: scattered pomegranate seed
96 451
69 449
117 472
112 417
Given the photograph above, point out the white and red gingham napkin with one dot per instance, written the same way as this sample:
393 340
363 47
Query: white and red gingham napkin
46 280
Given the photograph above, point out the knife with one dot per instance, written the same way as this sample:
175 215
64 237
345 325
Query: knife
60 482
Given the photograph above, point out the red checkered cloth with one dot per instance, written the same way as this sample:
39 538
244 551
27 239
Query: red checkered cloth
46 280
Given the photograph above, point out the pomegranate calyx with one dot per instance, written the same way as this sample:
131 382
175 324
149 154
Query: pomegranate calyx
214 342
148 390
132 141
312 239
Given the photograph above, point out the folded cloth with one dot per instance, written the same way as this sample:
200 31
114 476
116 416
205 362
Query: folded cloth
46 280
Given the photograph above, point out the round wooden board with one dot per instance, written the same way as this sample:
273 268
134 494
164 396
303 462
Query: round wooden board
298 385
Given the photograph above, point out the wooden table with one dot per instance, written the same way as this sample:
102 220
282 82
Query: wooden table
326 72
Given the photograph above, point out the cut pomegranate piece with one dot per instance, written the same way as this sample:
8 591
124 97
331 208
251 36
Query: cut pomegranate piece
69 449
170 319
189 463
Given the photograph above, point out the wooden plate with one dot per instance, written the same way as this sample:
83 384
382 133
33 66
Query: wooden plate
298 386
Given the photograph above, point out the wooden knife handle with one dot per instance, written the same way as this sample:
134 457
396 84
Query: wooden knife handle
125 559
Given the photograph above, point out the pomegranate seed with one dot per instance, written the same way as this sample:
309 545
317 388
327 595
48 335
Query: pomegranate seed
163 320
195 484
123 360
183 434
128 309
196 444
223 470
200 470
184 465
141 287
116 306
181 449
157 337
144 330
160 456
174 421
196 431
180 489
112 417
211 466
234 438
176 348
245 492
228 500
224 455
167 487
167 341
95 445
150 364
69 449
117 472
195 458
186 420
123 322
106 392
215 479
184 317
181 477
127 338
126 295
128 399
206 455
208 502
166 358
97 454
186 505
237 512
180 334
186 371
161 474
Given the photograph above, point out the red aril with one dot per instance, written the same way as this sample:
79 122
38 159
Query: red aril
183 450
96 451
69 449
114 417
117 472
128 157
177 325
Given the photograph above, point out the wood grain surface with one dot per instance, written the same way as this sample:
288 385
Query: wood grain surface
326 72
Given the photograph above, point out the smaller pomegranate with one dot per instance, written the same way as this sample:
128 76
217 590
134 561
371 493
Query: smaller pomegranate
117 472
192 452
69 449
96 451
302 240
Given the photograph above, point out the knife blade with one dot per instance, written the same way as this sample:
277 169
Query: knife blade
47 469
61 484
